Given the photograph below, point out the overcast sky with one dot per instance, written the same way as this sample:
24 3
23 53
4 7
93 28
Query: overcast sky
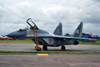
48 13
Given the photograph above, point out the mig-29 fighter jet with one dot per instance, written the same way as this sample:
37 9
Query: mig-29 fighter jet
41 37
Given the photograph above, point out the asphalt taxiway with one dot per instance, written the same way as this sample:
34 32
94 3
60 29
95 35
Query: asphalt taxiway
49 60
52 60
31 47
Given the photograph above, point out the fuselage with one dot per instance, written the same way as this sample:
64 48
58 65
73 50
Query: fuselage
50 41
27 33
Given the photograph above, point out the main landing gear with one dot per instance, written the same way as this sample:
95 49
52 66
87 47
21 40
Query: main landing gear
45 47
62 48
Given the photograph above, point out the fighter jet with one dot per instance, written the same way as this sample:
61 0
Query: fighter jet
1 37
5 38
41 37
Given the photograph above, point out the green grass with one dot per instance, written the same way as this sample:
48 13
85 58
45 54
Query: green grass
16 41
96 43
49 52
30 41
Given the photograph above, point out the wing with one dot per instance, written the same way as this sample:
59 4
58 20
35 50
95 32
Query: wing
56 36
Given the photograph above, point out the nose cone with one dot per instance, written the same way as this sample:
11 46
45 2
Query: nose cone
17 34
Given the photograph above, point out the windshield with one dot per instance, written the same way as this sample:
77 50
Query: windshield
26 28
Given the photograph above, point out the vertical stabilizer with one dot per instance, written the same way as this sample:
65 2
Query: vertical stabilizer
78 31
58 30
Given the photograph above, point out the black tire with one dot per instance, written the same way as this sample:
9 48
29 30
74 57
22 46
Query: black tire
44 47
63 47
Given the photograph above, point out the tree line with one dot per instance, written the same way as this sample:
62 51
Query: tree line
83 34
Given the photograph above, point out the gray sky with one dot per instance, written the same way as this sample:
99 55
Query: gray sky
48 13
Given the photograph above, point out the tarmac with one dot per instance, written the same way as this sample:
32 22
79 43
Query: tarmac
31 47
52 60
49 60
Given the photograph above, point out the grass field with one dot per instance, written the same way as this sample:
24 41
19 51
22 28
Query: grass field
16 41
96 43
49 52
30 41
